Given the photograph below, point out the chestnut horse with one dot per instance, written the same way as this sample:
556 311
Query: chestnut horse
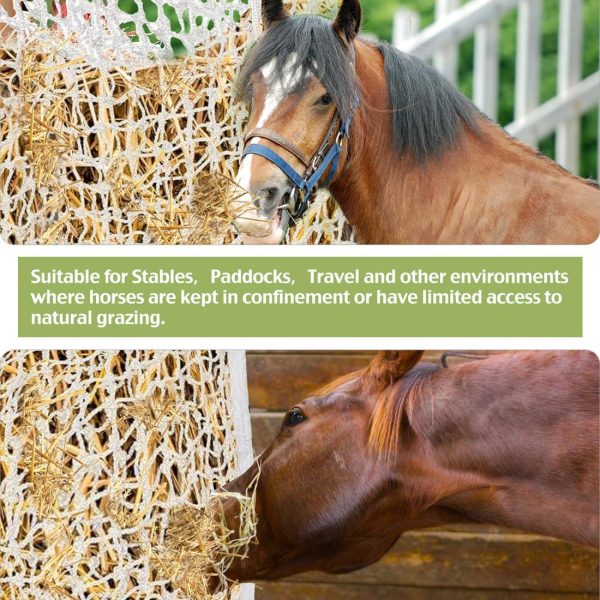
510 440
419 165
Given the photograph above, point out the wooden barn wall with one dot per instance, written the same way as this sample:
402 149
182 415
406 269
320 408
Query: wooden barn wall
454 563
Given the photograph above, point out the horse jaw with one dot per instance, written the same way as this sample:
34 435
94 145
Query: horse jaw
253 227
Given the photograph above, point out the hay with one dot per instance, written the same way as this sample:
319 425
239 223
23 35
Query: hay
119 155
127 154
199 547
102 454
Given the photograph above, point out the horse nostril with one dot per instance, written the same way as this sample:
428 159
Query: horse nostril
268 197
269 193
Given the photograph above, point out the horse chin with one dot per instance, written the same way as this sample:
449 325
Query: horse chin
274 234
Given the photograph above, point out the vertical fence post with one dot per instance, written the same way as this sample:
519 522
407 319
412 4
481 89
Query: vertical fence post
243 431
569 73
446 61
527 88
485 76
406 24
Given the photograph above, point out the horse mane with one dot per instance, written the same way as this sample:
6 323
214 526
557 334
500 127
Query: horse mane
395 405
428 112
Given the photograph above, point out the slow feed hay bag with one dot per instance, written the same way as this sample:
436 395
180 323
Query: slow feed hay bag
107 137
110 466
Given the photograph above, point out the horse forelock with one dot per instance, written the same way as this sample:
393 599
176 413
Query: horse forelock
337 384
394 406
302 45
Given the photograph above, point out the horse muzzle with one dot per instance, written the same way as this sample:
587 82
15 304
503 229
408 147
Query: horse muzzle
263 221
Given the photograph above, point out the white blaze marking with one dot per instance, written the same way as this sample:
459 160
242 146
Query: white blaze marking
274 97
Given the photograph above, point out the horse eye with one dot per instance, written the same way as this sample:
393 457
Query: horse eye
294 417
325 100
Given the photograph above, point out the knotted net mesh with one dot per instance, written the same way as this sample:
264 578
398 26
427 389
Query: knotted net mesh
119 122
98 451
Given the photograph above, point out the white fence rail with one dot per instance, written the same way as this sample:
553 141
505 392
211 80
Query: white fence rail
481 19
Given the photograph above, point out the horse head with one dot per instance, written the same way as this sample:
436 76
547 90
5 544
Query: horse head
327 496
301 86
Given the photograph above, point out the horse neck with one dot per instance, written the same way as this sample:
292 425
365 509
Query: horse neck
488 188
513 441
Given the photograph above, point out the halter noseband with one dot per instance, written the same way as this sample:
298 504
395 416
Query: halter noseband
327 155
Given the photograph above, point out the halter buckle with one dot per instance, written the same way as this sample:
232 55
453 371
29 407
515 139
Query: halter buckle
316 160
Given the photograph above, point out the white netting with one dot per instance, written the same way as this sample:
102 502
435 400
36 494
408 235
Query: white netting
95 449
104 140
104 30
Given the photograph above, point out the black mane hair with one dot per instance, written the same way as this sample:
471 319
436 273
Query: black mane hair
428 112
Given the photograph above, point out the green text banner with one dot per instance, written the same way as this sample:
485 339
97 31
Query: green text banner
300 297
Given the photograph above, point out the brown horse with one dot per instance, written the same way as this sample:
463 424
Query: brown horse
510 440
421 164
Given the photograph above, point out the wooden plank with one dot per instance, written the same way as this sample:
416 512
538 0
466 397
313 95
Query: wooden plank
286 590
468 560
239 409
545 118
278 380
457 26
406 24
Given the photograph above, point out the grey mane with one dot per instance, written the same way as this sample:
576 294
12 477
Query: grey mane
428 112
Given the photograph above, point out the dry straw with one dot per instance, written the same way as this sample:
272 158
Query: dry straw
118 155
111 464
200 547
127 154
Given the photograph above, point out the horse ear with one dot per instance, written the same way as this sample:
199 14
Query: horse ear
272 12
390 365
347 21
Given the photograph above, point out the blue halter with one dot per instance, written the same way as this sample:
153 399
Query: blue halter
324 158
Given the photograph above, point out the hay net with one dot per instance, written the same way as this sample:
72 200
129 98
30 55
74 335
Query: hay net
105 137
98 450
